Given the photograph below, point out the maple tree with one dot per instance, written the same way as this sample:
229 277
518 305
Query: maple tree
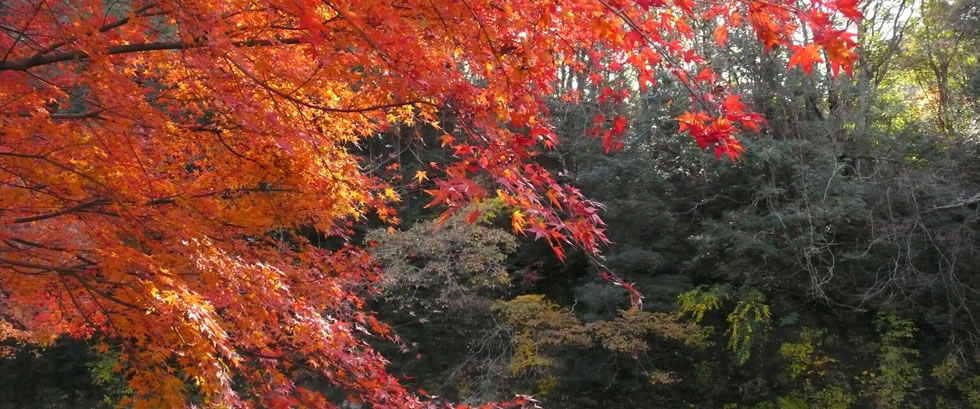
156 156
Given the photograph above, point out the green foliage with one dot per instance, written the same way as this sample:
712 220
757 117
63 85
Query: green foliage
954 373
748 321
438 267
538 326
970 387
65 375
697 302
626 333
833 397
106 374
440 283
791 402
799 355
803 357
897 378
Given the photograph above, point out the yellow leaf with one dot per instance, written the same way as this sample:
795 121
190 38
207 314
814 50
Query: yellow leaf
392 195
517 221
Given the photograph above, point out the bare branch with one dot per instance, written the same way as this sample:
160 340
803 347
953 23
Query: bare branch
965 202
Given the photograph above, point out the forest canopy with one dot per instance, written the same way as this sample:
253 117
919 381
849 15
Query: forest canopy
429 203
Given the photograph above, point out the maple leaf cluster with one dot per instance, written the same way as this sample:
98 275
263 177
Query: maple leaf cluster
157 159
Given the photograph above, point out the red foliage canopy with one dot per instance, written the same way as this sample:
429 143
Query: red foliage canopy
154 155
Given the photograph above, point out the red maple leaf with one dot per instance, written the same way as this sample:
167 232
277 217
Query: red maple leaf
805 57
849 8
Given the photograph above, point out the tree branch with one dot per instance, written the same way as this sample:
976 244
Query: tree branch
965 202
102 29
42 267
76 208
23 64
311 105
